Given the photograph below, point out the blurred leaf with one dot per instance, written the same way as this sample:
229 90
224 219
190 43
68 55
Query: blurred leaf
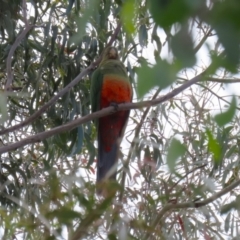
37 45
230 38
157 40
214 147
226 117
128 16
143 35
91 148
96 213
162 74
227 222
81 21
175 151
64 214
167 12
3 107
224 18
234 205
182 46
9 25
78 145
231 151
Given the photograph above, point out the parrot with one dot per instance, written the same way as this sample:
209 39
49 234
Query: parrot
110 85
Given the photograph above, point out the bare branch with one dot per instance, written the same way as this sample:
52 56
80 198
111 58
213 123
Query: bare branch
219 80
106 111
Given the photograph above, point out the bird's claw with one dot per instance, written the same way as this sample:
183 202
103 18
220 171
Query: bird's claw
115 105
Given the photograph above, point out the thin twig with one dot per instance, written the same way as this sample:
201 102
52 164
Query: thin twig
213 93
219 80
106 111
225 80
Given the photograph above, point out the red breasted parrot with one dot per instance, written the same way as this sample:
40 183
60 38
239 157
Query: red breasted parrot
110 85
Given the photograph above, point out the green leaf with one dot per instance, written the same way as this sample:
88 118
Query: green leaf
214 147
175 151
90 146
226 117
127 16
157 40
234 205
227 221
231 151
162 74
229 37
143 35
3 107
182 46
165 13
37 45
224 18
64 214
8 24
78 144
81 22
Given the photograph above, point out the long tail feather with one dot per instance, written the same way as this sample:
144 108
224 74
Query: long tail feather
107 162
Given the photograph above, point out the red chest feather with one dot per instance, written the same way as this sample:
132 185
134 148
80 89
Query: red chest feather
115 89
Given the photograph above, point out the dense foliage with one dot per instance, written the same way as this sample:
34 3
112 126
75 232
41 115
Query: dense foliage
179 168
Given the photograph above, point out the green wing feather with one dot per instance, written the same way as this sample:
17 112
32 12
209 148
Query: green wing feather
109 65
95 90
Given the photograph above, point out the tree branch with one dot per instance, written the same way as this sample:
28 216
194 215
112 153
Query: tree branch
192 204
219 80
106 111
10 56
61 93
225 80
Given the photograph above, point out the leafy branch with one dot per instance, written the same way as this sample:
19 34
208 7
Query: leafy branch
61 93
104 112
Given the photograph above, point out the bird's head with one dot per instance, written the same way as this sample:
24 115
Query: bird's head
110 53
